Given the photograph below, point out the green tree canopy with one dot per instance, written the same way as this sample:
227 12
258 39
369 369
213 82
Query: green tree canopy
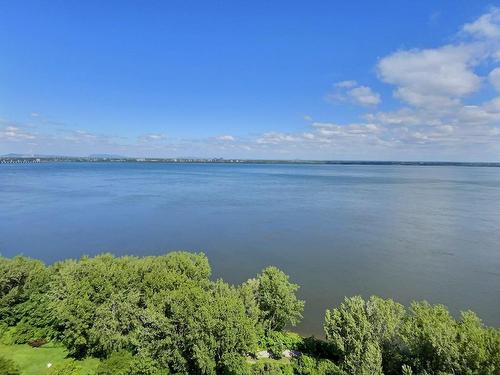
164 314
277 300
349 329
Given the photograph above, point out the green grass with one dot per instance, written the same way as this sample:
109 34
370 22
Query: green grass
33 361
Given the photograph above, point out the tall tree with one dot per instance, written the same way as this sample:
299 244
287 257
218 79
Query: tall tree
349 330
277 300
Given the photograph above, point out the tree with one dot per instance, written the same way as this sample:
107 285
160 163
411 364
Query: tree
493 347
277 301
101 302
386 318
430 336
24 284
351 333
96 303
424 340
160 315
249 293
233 330
476 356
198 330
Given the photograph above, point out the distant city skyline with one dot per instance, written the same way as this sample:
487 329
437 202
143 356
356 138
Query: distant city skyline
325 80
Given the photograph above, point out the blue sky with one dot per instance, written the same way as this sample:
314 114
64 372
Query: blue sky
385 80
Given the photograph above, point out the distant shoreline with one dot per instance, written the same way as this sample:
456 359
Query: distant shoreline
68 159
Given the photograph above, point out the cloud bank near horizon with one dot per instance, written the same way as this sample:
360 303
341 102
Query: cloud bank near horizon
449 107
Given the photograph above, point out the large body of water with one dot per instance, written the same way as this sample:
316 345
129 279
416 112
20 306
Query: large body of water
404 232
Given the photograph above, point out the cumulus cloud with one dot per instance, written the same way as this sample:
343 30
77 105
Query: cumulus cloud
321 134
403 116
432 77
364 95
441 112
351 91
488 25
438 115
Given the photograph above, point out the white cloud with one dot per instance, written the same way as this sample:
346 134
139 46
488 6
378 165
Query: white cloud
432 77
364 95
324 134
437 120
275 138
152 137
494 78
328 129
488 25
404 116
225 138
346 84
352 92
14 133
486 114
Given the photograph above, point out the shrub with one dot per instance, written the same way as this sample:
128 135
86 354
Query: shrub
118 363
277 342
8 336
146 366
8 367
327 367
317 348
271 368
25 332
67 368
306 365
273 342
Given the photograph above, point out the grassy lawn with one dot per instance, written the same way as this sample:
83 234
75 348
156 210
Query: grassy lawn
33 361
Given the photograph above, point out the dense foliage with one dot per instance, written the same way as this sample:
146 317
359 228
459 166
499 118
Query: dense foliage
165 315
379 336
8 367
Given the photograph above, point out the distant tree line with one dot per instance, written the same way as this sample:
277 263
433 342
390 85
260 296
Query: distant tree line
165 315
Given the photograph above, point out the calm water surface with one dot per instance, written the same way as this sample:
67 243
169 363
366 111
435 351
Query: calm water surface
404 232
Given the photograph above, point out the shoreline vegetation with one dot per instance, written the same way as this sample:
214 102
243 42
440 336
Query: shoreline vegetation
165 315
36 159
